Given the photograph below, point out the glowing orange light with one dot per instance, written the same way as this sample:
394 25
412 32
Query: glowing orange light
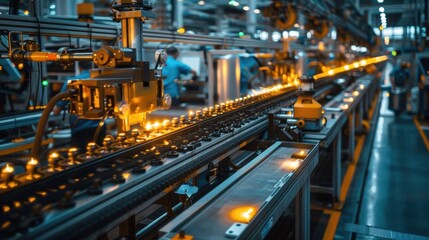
331 72
350 99
126 175
156 125
181 30
355 93
243 214
166 123
54 155
148 127
191 114
290 164
6 208
356 65
346 67
8 169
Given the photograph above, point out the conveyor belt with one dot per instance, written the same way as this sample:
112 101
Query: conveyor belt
266 186
128 179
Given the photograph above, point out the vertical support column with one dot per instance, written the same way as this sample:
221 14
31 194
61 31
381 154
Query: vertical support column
178 13
67 8
251 17
351 120
127 228
302 214
221 23
132 35
359 117
336 177
367 104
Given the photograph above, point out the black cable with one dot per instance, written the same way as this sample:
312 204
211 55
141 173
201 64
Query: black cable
43 93
35 151
100 125
30 88
36 96
40 67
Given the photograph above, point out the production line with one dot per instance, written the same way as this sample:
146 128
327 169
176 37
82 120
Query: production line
234 167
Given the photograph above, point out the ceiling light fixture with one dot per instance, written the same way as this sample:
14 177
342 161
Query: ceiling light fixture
381 9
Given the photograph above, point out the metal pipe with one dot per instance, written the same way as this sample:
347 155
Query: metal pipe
292 121
57 57
132 35
284 116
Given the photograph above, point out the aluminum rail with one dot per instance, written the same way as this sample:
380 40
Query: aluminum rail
67 28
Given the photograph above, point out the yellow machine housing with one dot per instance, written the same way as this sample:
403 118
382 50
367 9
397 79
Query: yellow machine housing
307 108
307 111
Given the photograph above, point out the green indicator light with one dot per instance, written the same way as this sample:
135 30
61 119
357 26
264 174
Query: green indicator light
241 34
45 83
394 53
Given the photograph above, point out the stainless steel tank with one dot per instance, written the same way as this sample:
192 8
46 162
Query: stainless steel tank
228 77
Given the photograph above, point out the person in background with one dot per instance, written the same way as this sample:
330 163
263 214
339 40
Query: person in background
82 130
172 70
400 76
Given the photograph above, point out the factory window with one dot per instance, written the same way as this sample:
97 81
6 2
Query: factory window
396 32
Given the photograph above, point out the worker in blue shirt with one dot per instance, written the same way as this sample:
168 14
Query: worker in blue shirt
172 70
82 130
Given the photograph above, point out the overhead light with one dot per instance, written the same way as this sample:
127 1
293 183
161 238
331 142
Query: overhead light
296 25
201 2
246 8
386 40
380 1
293 34
233 3
381 9
257 11
382 15
52 6
334 34
285 34
276 36
264 35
